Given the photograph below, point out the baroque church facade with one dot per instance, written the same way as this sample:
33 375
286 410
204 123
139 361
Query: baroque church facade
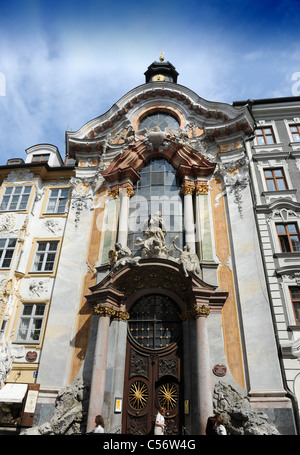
157 259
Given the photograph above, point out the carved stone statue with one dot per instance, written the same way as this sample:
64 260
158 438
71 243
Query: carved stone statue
154 245
121 256
189 261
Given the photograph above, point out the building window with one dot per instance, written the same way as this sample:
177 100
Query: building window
57 201
45 255
295 297
70 161
265 136
157 190
7 248
275 179
295 131
154 322
31 323
288 237
162 120
42 158
15 198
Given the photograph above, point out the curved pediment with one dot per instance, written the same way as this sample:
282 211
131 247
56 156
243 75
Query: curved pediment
108 131
188 162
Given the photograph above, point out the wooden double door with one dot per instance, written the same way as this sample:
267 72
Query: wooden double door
153 378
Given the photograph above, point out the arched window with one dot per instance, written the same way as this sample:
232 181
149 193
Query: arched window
154 322
157 190
161 119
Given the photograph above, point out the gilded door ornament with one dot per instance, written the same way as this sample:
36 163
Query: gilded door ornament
138 395
168 396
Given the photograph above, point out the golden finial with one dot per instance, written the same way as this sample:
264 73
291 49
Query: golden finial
161 58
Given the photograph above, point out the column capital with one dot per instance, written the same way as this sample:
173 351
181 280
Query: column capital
121 190
187 188
103 310
201 188
196 312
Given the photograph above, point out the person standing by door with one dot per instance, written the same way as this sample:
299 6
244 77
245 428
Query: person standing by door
160 425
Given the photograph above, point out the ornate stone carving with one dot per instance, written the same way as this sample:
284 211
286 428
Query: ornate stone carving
154 246
52 226
7 222
37 288
121 256
7 357
188 260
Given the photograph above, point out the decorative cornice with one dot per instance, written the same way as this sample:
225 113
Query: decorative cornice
229 119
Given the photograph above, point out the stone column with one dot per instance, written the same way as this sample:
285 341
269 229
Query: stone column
187 189
99 365
203 373
125 193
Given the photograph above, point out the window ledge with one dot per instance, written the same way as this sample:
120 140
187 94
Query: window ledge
279 193
289 255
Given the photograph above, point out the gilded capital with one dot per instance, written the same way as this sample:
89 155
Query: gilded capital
130 191
202 188
187 188
121 316
113 193
102 310
201 310
196 312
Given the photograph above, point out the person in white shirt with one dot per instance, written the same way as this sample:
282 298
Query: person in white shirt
99 425
160 425
219 427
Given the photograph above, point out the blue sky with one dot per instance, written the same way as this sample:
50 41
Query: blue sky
63 63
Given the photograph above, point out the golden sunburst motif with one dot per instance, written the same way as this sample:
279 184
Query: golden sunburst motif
138 395
167 396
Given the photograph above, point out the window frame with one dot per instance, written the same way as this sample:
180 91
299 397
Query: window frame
287 236
58 199
5 249
264 135
32 259
274 178
293 301
12 195
295 125
40 157
32 317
